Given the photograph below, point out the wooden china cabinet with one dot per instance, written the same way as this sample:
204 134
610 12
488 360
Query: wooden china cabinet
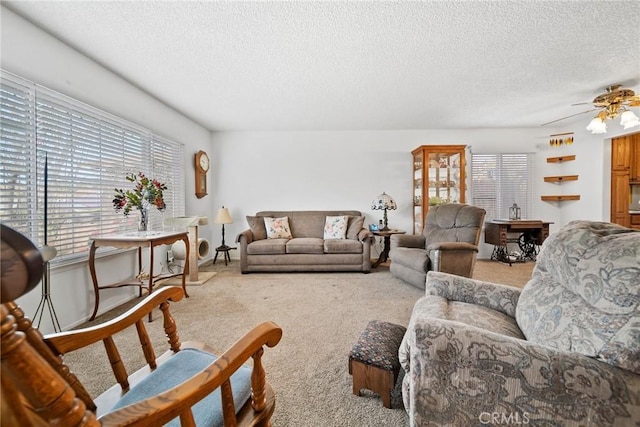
438 177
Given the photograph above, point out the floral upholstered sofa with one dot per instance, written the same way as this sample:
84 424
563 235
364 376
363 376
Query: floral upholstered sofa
563 351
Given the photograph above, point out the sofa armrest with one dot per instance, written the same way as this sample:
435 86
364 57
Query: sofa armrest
243 240
247 235
458 374
365 235
407 241
497 297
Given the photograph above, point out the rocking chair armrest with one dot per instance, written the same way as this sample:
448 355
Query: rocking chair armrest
178 400
64 342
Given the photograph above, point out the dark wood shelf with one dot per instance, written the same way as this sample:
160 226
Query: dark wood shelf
560 178
560 198
561 159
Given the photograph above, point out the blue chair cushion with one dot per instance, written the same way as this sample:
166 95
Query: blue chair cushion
181 367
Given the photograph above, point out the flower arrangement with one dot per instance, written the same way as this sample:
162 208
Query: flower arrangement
146 192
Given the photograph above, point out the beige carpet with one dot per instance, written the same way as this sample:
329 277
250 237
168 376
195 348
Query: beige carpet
321 314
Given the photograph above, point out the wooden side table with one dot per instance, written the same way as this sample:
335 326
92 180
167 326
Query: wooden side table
136 240
384 256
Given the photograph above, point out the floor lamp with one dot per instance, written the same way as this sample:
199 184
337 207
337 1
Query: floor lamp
48 253
223 217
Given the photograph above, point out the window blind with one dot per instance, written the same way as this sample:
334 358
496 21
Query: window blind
500 180
89 152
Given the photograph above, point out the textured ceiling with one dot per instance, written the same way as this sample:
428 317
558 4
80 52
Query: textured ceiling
358 65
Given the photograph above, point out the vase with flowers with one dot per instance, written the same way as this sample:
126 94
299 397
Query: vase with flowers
146 192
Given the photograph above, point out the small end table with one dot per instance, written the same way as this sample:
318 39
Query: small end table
384 256
225 252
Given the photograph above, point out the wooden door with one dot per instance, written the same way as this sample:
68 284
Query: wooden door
620 198
634 153
621 153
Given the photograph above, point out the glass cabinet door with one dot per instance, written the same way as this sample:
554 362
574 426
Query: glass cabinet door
438 177
418 192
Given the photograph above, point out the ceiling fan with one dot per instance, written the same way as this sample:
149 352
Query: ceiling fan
615 101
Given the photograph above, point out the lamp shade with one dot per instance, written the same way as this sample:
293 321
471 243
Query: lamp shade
597 125
383 201
223 216
629 120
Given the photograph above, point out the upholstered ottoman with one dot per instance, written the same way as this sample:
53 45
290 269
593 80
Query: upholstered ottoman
374 362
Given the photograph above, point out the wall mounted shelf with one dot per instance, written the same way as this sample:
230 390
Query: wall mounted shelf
560 198
560 178
561 159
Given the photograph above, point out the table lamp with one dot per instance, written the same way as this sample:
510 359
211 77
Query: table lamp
384 202
223 217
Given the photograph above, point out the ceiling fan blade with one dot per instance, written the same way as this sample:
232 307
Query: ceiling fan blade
573 115
581 103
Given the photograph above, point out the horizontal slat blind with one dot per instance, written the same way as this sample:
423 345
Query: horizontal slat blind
17 168
500 180
89 152
164 170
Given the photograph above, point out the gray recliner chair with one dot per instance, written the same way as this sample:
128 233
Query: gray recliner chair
449 243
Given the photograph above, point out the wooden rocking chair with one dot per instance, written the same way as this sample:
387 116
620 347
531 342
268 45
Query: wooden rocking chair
186 383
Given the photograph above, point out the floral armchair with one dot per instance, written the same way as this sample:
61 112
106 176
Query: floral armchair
563 351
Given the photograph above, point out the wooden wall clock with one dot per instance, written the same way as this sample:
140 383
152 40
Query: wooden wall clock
202 167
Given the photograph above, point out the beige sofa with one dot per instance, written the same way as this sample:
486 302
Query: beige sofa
306 250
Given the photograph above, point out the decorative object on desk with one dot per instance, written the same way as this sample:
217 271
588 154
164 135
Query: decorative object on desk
48 253
384 202
514 212
146 192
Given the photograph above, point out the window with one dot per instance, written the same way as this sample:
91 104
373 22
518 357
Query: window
500 180
88 153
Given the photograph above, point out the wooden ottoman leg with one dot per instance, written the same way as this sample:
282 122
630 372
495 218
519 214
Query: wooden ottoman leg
378 380
373 361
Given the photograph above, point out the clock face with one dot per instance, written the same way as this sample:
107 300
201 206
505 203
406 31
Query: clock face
204 162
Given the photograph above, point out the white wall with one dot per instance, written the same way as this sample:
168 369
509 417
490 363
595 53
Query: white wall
347 169
33 54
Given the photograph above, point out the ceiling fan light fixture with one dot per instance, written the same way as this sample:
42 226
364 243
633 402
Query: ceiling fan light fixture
597 125
629 120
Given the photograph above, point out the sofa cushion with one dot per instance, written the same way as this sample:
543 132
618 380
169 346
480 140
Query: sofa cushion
354 226
305 245
256 224
277 228
414 258
342 246
267 246
335 227
584 294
